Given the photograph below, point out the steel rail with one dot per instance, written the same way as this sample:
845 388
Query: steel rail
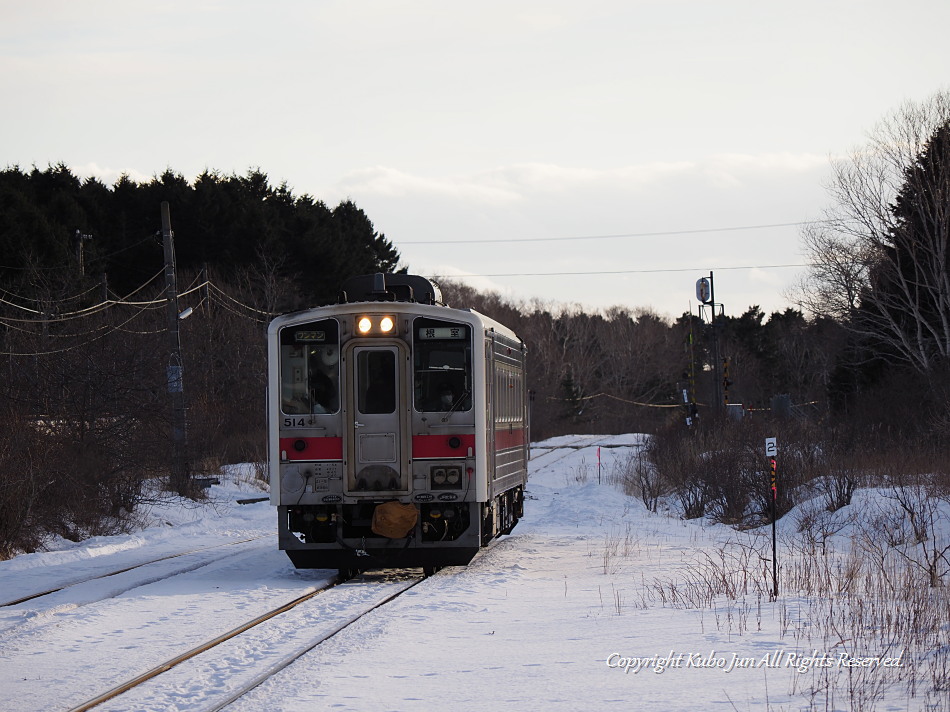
292 658
127 568
169 664
274 669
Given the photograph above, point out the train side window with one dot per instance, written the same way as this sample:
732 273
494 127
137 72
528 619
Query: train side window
442 366
310 368
509 396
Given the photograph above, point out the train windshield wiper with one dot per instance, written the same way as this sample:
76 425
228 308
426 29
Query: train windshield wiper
455 406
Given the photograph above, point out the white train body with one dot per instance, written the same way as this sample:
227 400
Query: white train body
389 397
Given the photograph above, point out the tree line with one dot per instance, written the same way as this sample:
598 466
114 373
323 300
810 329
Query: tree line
877 299
84 405
630 370
75 231
86 422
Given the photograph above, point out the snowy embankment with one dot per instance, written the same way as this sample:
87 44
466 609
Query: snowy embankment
591 603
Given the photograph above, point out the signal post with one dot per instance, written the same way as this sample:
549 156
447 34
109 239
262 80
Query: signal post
706 294
771 452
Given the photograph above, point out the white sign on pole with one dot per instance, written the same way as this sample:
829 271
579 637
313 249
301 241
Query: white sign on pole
771 447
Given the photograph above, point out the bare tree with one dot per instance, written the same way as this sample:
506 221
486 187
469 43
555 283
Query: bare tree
881 258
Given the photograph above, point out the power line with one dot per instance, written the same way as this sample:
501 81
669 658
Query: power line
625 271
217 289
226 306
51 316
75 297
216 294
667 233
72 265
101 331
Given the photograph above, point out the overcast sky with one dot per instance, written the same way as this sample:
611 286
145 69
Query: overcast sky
474 134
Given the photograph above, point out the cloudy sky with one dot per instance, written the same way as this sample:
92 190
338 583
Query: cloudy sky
598 153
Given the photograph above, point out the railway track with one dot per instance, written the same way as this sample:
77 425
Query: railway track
300 626
126 569
27 615
545 458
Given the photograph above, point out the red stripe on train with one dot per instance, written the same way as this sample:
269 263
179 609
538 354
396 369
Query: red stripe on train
423 446
442 445
312 448
505 439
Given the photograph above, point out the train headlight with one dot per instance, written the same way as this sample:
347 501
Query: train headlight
438 476
372 324
453 475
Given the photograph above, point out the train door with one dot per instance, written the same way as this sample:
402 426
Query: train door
376 390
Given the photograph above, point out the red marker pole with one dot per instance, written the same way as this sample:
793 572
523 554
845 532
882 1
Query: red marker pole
771 452
774 548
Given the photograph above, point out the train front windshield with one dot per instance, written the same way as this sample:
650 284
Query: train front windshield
310 368
442 362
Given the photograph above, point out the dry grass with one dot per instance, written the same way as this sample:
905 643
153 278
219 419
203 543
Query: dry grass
864 589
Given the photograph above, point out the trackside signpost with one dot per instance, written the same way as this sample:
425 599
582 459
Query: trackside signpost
771 452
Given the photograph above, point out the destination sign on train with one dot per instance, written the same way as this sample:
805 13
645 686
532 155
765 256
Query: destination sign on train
310 336
442 332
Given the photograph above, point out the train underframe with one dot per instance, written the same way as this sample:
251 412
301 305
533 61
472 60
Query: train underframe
340 536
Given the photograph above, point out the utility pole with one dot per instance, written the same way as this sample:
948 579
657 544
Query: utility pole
180 478
79 245
717 356
706 293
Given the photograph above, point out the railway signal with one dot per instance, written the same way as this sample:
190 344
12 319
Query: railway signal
706 294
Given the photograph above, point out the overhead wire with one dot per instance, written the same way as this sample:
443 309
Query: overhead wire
17 306
227 306
617 398
663 233
222 304
217 289
624 271
102 330
214 293
235 306
125 299
90 260
52 316
106 330
74 297
195 288
591 273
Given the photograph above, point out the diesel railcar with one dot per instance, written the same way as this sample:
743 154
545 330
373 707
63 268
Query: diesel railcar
398 429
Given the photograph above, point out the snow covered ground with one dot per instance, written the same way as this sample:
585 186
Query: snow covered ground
591 603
